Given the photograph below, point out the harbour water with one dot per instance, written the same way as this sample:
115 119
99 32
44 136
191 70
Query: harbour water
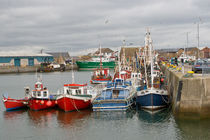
85 124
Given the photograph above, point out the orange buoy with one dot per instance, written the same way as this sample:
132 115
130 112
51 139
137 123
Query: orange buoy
42 102
56 102
49 103
37 101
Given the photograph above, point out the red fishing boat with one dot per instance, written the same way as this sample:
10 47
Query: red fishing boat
101 75
40 98
74 97
13 104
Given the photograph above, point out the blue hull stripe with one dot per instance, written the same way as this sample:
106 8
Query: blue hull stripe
14 108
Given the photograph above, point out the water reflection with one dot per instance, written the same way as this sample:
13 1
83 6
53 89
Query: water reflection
12 115
114 115
42 118
154 116
71 119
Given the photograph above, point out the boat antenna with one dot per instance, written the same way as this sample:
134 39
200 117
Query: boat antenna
72 70
100 58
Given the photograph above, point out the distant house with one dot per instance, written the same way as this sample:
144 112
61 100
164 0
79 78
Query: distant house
129 52
168 53
104 51
60 57
24 59
206 52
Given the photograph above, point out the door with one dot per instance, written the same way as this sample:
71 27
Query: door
17 62
31 61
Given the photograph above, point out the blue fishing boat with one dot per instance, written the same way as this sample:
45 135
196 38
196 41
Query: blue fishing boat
118 95
151 98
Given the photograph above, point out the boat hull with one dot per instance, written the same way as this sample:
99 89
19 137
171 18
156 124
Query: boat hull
13 104
85 65
40 104
152 101
72 104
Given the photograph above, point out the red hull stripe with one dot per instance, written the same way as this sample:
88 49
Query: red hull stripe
75 85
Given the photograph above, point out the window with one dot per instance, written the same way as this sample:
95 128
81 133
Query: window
69 92
45 93
34 93
78 92
38 93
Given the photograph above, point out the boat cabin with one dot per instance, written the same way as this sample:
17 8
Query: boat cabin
136 75
75 89
40 91
118 82
101 71
156 73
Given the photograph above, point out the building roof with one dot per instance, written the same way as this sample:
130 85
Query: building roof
104 50
22 54
60 54
206 49
129 52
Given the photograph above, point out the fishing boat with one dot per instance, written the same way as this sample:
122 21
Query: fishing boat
151 98
101 75
40 98
94 63
108 61
74 97
13 104
118 95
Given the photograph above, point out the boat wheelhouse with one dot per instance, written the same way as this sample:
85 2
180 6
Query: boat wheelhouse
101 76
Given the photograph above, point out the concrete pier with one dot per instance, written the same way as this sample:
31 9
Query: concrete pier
190 96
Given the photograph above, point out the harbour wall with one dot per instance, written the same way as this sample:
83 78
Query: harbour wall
26 69
190 97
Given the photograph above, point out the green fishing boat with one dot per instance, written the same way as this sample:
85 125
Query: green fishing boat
95 63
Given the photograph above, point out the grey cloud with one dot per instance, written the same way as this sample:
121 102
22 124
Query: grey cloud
76 24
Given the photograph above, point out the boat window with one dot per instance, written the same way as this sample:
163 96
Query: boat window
69 92
115 93
45 93
147 91
156 91
34 93
38 85
78 92
38 93
142 92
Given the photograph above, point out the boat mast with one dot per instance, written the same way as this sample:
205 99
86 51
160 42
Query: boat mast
145 55
151 60
119 64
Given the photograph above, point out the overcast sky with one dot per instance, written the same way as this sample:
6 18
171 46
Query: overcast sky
65 25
